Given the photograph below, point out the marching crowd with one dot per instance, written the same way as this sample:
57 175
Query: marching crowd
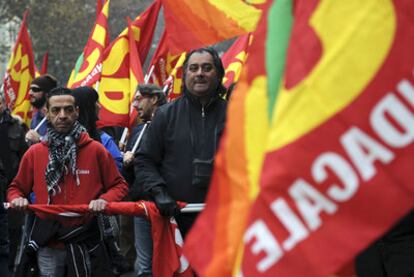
65 159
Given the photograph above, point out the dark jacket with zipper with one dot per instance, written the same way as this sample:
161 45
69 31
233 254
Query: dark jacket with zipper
181 131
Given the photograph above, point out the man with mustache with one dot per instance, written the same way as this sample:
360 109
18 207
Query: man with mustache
175 159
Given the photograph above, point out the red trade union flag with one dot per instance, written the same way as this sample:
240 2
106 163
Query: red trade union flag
20 72
135 70
234 59
163 62
192 24
88 67
175 80
316 160
115 90
167 241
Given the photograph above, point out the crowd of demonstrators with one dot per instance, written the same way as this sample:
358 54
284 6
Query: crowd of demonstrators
68 168
176 156
12 148
147 99
39 88
76 163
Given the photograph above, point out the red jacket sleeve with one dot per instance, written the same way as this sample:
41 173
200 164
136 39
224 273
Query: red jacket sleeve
22 184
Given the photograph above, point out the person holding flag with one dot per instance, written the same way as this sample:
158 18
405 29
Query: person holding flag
176 156
37 93
148 99
68 168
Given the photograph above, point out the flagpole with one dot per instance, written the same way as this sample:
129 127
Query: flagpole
148 76
193 208
136 144
189 208
40 124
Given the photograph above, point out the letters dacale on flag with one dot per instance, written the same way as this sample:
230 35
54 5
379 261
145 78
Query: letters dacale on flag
328 156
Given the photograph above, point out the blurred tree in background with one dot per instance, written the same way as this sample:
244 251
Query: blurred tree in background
60 27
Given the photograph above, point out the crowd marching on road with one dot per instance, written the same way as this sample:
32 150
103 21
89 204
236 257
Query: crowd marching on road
65 159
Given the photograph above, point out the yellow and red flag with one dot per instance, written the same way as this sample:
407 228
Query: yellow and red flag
135 69
234 59
316 159
116 88
175 80
162 61
20 72
88 67
195 23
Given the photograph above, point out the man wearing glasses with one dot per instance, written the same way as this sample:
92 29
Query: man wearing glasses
39 87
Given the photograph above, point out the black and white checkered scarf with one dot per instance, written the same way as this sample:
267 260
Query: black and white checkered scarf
62 154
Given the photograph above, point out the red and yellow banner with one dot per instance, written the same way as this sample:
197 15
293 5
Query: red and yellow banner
195 23
20 72
316 159
162 61
234 59
119 73
88 67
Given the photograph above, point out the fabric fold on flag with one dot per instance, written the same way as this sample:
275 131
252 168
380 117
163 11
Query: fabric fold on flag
120 69
316 147
19 74
192 24
88 67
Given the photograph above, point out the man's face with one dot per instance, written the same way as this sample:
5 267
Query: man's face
145 105
201 74
62 112
37 97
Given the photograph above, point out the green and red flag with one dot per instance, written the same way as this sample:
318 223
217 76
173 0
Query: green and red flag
234 59
195 23
316 159
88 67
20 72
116 88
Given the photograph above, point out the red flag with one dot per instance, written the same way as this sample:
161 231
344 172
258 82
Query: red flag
234 59
116 90
135 69
162 61
195 23
20 72
43 70
167 241
88 67
316 160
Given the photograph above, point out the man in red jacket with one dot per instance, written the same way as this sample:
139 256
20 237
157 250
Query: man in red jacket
67 168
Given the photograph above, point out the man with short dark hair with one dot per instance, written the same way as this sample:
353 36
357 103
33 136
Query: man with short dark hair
175 160
68 168
39 88
147 100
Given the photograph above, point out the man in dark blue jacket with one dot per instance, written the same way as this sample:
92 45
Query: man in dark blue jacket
175 159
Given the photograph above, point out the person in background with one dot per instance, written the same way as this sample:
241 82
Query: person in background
175 159
86 99
148 99
39 88
12 148
68 168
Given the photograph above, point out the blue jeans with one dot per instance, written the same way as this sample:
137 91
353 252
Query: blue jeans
143 246
51 262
